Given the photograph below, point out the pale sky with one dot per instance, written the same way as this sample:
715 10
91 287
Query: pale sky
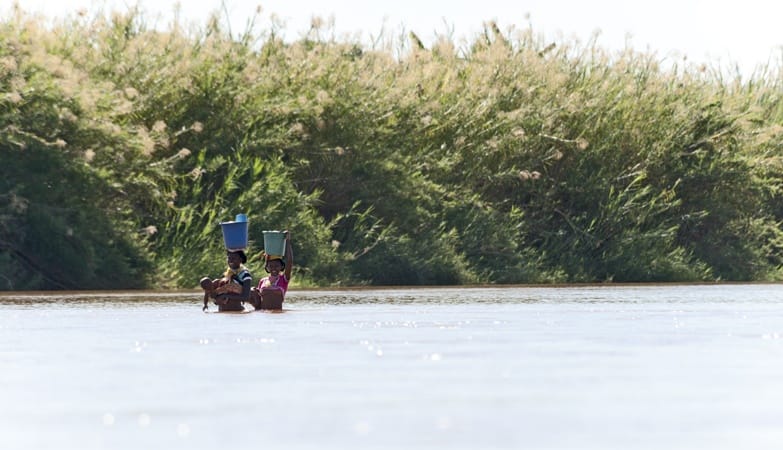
746 33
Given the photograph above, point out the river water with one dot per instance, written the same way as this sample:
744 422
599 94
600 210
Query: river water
619 367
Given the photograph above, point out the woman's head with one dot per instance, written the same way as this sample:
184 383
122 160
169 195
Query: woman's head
274 266
235 258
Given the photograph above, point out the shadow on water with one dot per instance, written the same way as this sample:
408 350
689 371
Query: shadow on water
641 293
112 299
582 294
351 296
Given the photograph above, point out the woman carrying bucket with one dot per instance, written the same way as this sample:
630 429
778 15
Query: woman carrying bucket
233 290
279 257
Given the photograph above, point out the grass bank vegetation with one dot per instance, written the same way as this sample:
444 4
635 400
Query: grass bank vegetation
508 159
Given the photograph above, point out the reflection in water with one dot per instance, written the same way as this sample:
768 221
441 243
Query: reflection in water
588 367
665 293
118 299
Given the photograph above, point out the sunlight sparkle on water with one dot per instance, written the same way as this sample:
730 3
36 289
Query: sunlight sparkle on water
144 420
183 430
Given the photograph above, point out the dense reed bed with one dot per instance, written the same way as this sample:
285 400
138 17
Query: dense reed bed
509 159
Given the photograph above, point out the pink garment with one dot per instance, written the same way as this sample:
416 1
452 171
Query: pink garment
280 282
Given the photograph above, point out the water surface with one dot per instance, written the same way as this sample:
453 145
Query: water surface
642 367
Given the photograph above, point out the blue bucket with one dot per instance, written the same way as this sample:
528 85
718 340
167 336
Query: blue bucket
274 244
235 233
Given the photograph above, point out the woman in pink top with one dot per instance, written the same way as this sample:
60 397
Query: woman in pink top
271 289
